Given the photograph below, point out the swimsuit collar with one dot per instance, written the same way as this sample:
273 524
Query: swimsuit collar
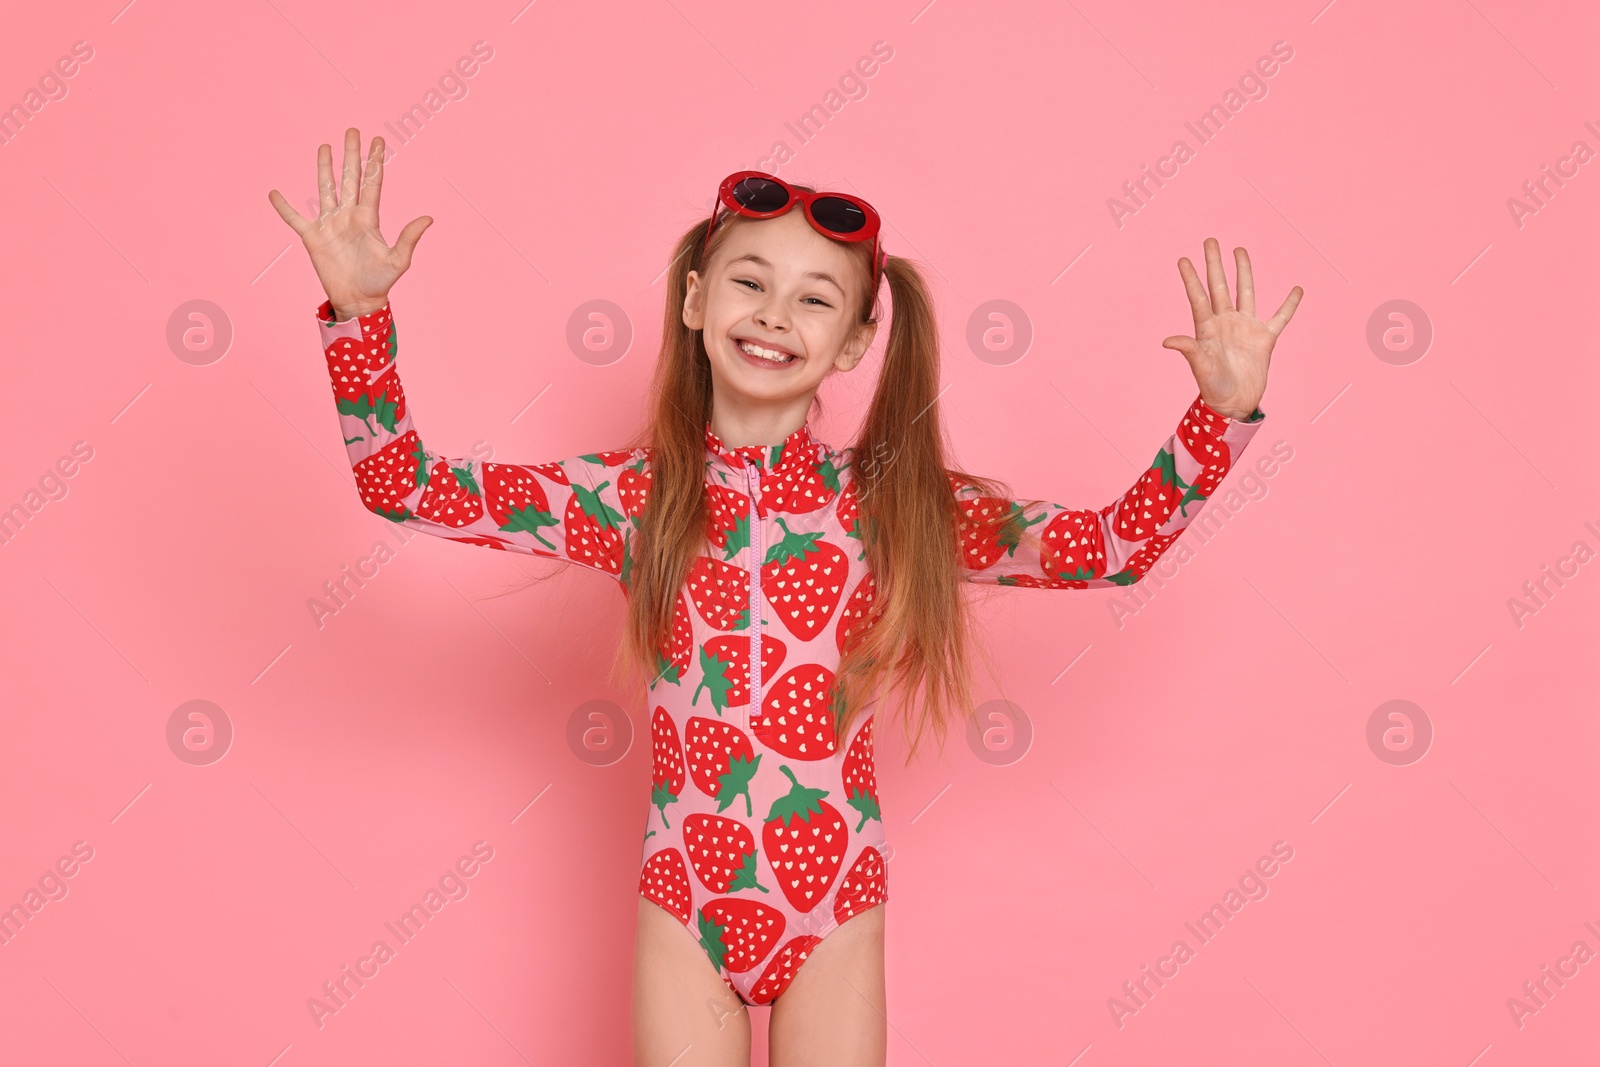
799 448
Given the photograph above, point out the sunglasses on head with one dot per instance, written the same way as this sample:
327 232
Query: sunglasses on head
838 215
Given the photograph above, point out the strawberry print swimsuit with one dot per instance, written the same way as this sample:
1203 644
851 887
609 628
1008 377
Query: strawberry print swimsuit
764 831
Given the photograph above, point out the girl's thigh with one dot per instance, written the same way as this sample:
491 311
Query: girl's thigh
683 1012
835 1012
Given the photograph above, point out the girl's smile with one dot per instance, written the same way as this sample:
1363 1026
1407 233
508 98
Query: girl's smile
767 357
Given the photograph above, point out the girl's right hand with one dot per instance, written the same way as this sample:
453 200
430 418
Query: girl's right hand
352 261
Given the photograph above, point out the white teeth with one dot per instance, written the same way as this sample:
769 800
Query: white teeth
765 353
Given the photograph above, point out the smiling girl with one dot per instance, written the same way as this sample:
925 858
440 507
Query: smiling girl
777 587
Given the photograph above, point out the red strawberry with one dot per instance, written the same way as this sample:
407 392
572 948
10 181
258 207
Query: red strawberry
516 499
990 528
666 766
802 487
364 381
1201 433
1140 562
854 621
848 512
594 529
633 487
1072 546
860 776
722 593
737 933
781 971
722 853
665 880
797 719
452 497
680 647
391 474
721 761
728 515
1152 500
725 668
803 576
864 886
805 839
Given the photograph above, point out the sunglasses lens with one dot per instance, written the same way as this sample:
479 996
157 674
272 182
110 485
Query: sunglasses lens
840 216
758 194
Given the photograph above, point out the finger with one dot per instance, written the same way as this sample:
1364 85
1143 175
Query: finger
296 221
407 241
372 184
1199 303
1216 278
1247 281
352 167
1286 311
326 198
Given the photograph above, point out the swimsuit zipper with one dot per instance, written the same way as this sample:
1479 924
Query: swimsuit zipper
753 481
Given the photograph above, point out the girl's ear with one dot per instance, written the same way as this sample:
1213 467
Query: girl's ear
694 311
857 347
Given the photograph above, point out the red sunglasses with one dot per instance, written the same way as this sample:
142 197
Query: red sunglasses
838 215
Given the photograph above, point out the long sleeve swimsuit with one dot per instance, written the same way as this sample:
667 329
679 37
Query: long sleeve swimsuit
764 831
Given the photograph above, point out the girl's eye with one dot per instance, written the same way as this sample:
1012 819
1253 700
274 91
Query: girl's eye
746 281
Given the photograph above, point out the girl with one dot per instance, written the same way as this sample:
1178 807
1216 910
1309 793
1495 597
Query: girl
776 585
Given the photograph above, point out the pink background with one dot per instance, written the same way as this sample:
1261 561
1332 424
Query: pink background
1227 714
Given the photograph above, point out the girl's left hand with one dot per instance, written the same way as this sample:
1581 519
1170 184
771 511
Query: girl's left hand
1231 348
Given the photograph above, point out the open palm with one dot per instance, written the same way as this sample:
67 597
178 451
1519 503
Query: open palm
356 267
1231 348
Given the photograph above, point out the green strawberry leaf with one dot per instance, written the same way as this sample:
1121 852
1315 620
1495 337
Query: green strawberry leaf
867 805
713 676
746 878
736 781
711 941
799 802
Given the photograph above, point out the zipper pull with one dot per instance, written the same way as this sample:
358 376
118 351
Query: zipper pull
753 481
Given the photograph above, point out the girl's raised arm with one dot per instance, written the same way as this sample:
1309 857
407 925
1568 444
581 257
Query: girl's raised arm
576 509
1048 546
573 509
1052 547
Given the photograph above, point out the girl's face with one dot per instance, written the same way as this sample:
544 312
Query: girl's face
777 288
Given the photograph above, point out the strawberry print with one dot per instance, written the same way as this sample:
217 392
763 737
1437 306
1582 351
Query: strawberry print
738 933
387 477
721 761
1144 509
452 497
725 668
665 880
364 385
517 501
594 529
864 886
765 824
721 593
804 577
666 762
722 853
805 840
854 617
781 971
860 775
796 719
673 661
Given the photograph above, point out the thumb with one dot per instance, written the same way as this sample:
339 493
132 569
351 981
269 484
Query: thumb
406 242
1183 344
